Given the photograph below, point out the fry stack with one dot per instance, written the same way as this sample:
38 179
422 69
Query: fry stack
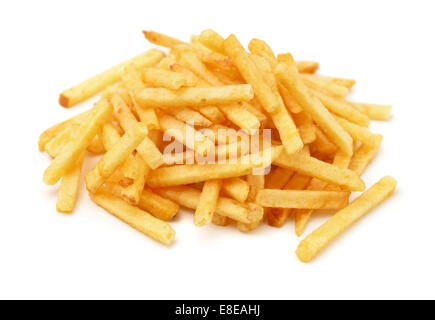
240 137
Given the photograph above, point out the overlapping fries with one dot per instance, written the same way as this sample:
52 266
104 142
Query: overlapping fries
239 137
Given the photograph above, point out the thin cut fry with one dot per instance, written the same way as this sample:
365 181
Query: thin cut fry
307 66
135 217
322 236
236 188
67 196
360 133
374 111
92 86
362 157
162 78
207 202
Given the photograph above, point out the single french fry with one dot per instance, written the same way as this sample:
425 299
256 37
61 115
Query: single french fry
236 188
301 199
162 78
55 145
189 197
313 167
362 157
374 111
289 101
194 97
330 89
212 40
190 78
348 83
92 86
55 130
67 195
313 107
220 220
212 113
115 156
158 206
334 226
307 66
192 173
132 192
122 113
207 202
360 133
149 117
139 219
343 109
88 129
161 39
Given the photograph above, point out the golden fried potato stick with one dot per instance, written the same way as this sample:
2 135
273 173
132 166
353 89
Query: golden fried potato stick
192 173
92 86
256 183
162 78
189 197
289 101
302 216
362 157
313 107
69 186
343 109
194 97
307 66
348 83
236 188
149 117
374 111
313 167
161 39
100 113
322 236
207 202
96 146
330 89
139 219
301 199
132 192
360 133
55 130
55 145
115 156
189 76
212 40
241 117
150 153
306 127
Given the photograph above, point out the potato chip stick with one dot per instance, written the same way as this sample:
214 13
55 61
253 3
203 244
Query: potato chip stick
71 152
322 236
207 202
67 195
139 219
313 167
194 97
314 108
115 156
92 86
362 157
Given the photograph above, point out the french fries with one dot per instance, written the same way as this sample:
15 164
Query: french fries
321 237
241 138
92 86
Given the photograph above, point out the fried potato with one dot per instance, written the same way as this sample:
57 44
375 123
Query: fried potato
360 133
207 202
194 97
322 236
212 40
362 157
139 219
330 89
374 111
191 116
307 66
241 117
92 86
67 195
88 129
313 167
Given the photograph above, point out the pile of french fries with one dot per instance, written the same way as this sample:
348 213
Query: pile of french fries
319 142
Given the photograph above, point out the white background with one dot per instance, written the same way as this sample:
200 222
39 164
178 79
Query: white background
47 46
